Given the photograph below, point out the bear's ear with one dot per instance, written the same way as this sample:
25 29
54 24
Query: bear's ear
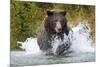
49 13
63 13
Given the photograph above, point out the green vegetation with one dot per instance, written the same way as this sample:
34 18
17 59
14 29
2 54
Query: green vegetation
26 18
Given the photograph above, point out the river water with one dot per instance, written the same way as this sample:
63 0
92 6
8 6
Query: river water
82 50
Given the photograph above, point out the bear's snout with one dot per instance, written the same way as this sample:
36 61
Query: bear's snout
58 27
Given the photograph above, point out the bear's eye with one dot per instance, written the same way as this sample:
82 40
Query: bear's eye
55 20
62 22
52 25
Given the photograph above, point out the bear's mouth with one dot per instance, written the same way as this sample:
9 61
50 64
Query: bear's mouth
58 30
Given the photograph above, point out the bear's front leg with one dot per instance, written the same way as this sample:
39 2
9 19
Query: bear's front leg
60 50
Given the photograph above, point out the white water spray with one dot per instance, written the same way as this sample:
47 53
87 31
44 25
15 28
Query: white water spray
80 39
30 46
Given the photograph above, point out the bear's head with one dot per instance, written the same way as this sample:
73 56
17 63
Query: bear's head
55 22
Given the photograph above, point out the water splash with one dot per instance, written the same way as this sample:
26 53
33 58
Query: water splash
30 46
59 42
80 39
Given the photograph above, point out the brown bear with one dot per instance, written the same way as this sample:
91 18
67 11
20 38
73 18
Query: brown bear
55 24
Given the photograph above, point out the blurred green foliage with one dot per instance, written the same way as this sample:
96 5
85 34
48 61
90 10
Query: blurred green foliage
26 18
